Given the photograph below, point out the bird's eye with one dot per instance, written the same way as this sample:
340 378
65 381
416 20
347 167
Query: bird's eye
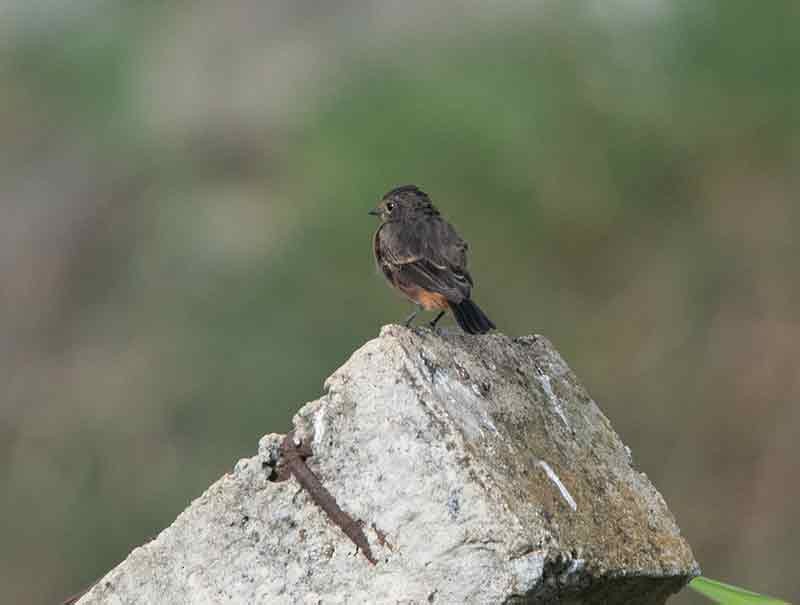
390 206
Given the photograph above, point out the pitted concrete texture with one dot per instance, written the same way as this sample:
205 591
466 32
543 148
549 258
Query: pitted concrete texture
482 472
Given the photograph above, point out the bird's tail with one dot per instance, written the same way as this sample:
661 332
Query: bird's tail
470 317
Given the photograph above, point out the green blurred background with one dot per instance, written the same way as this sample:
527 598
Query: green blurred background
185 250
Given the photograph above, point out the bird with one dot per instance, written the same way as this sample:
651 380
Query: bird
423 256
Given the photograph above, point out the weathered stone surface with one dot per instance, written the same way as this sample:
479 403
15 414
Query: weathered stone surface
483 473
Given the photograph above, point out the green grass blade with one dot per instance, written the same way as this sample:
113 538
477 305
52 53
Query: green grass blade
731 595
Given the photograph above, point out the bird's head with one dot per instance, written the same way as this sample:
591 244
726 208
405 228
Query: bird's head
403 203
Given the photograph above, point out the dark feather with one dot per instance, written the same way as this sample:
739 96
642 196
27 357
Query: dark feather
470 317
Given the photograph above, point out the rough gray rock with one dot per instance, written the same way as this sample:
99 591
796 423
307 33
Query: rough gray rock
482 471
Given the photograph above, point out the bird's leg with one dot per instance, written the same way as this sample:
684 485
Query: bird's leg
436 320
410 318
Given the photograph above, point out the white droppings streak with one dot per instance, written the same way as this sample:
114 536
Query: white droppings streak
544 380
469 401
319 425
554 478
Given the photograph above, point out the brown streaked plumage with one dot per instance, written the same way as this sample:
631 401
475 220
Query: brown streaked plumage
422 255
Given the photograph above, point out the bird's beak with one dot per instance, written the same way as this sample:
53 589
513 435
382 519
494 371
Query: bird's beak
375 212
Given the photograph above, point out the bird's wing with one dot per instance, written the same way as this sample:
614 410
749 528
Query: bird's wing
430 255
449 249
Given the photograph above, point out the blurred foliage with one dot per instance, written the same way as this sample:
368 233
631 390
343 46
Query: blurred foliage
730 595
186 246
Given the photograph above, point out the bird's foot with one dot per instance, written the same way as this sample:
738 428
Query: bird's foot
435 321
410 318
